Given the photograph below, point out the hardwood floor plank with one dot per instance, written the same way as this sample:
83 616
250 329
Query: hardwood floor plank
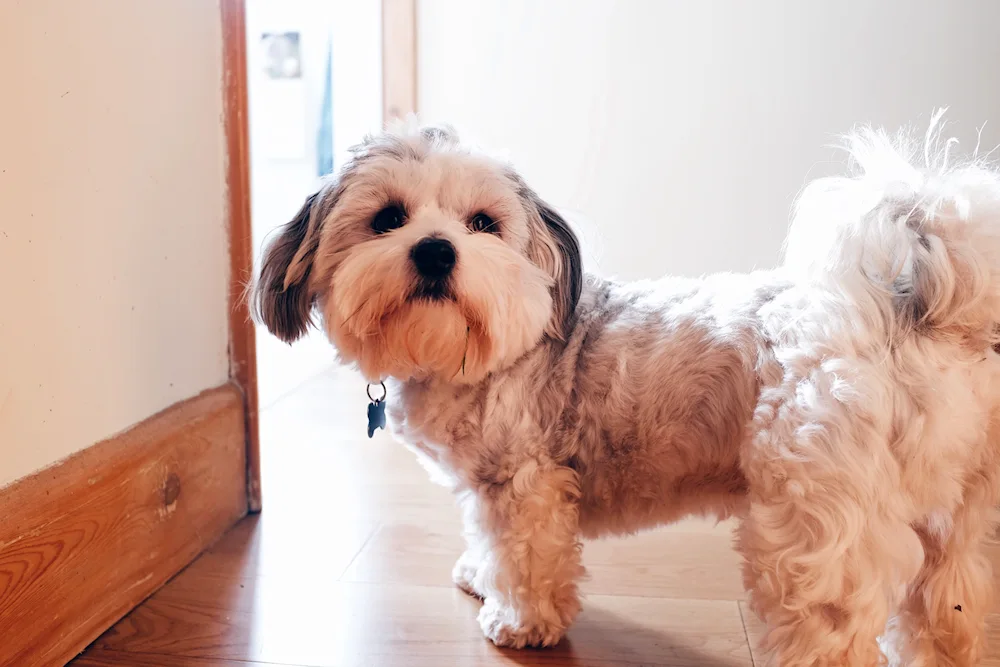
295 546
420 555
119 659
370 624
666 564
698 565
755 633
992 657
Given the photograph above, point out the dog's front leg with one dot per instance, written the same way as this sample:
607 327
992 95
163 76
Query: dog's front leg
532 562
469 569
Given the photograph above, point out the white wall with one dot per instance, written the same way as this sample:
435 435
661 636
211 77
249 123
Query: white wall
113 250
284 120
677 133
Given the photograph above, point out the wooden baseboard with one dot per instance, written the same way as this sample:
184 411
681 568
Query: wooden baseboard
85 541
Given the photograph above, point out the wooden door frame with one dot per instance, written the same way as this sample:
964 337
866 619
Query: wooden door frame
242 332
399 98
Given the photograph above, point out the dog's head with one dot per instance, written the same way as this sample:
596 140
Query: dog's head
424 260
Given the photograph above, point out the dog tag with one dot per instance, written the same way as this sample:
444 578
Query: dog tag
376 417
376 411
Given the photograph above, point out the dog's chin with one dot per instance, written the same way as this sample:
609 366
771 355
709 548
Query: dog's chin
428 338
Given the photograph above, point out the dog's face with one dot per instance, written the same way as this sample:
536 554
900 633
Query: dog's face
424 260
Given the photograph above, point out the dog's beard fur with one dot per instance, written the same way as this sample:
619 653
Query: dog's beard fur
846 407
495 306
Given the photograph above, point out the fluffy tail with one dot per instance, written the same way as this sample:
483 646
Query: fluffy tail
916 230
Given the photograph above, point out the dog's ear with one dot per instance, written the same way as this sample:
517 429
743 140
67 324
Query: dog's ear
555 248
281 298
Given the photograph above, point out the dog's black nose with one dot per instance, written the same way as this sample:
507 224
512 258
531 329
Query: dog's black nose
434 257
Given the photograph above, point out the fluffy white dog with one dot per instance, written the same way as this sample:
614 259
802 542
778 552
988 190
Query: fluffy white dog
844 407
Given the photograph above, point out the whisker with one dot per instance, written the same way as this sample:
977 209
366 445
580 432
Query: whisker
352 315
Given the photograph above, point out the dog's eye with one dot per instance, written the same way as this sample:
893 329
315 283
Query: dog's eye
389 218
481 222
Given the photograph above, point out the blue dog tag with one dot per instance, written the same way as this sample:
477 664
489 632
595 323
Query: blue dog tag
376 410
376 416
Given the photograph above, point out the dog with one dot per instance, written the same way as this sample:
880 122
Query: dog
843 407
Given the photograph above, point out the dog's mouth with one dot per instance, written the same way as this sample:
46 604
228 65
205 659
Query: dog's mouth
432 290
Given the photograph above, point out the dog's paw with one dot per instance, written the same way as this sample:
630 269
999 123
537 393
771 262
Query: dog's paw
464 574
500 625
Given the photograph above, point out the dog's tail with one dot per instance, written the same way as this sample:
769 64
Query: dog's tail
916 233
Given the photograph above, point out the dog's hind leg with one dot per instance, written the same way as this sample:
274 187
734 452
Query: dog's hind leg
822 585
824 594
826 544
942 621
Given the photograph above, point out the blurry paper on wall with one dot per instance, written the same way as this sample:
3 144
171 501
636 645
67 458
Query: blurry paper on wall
282 55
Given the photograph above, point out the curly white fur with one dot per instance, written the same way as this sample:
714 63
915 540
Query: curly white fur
844 406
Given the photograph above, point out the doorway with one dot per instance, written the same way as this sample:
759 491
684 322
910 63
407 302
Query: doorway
314 90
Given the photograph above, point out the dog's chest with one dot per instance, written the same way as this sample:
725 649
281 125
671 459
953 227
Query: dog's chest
437 423
470 432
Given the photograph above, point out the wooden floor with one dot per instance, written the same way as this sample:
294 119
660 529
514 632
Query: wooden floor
349 565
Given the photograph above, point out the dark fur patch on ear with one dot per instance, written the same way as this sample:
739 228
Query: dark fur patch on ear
569 276
569 285
285 308
569 273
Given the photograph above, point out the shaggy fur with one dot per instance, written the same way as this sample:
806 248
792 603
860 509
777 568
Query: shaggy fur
844 407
